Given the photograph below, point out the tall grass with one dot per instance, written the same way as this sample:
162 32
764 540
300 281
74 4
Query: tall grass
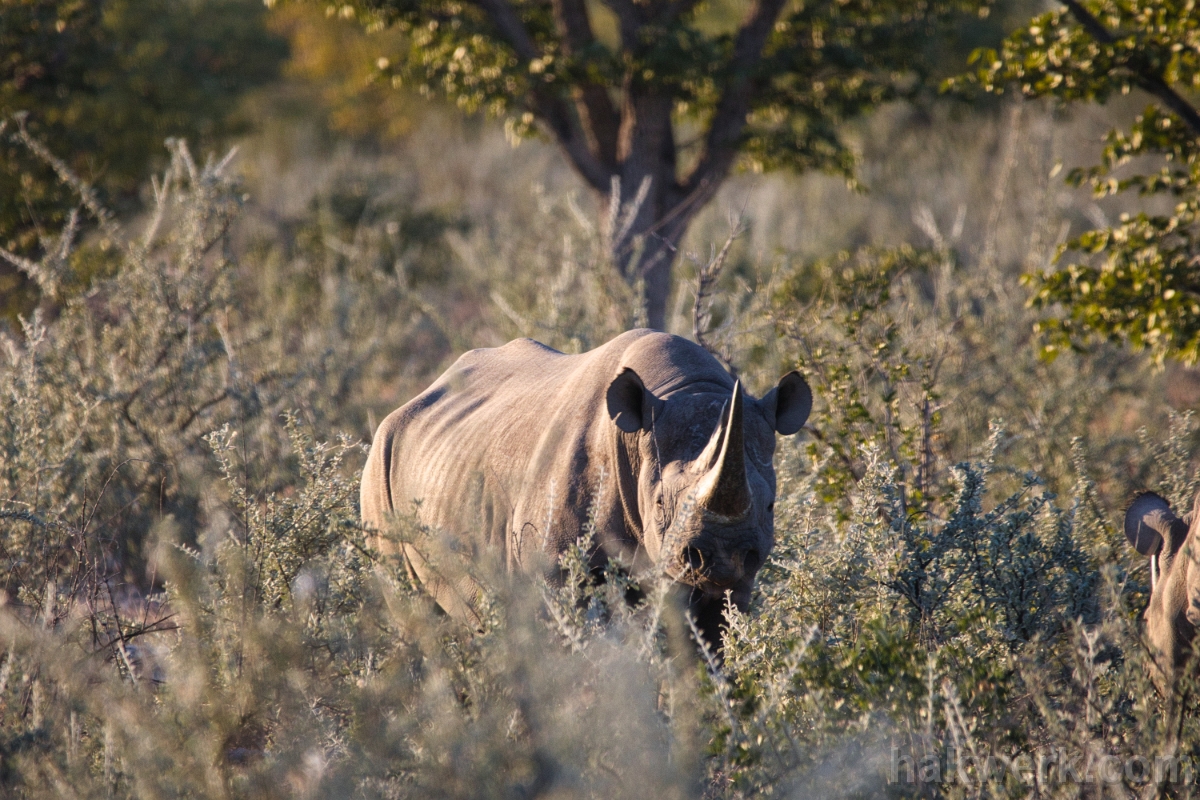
192 608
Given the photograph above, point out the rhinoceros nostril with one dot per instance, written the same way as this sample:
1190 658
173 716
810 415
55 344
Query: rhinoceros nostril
693 558
751 561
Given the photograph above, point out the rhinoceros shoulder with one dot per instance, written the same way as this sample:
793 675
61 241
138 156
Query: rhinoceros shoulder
516 350
532 345
522 348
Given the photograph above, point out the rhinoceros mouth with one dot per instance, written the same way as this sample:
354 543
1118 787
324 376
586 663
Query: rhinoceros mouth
698 582
701 598
686 576
703 587
699 578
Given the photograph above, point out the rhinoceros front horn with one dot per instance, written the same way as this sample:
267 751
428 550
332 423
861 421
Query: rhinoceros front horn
724 489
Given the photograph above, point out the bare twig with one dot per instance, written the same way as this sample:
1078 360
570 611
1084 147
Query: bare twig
707 276
91 201
729 118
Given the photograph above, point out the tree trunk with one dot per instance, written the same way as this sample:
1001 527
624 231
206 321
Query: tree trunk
631 151
653 212
648 251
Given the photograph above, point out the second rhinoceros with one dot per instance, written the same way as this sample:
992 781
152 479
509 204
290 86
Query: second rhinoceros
648 436
1173 615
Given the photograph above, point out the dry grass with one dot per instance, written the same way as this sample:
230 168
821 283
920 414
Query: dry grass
194 611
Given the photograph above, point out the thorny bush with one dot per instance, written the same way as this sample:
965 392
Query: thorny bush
192 608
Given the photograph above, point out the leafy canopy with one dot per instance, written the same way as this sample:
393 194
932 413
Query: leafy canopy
332 70
771 84
1139 280
653 104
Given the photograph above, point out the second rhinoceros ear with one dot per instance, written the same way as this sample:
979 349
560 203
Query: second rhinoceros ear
630 405
788 404
1148 522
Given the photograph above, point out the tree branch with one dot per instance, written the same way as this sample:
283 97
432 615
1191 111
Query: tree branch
505 18
554 113
598 117
568 132
729 119
676 9
628 20
1151 81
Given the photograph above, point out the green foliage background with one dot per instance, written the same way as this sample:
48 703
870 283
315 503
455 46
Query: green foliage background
105 84
1138 281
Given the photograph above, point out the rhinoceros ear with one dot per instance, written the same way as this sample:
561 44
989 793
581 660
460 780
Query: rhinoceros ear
630 406
1148 521
788 404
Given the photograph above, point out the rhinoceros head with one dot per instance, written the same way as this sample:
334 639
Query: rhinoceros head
705 479
1173 613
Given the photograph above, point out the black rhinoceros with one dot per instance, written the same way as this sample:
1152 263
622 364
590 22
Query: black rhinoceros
1173 614
514 446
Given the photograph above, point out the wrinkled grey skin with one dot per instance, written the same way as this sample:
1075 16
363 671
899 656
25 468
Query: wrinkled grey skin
1173 614
510 446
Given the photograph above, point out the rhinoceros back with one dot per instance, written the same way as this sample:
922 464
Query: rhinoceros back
511 444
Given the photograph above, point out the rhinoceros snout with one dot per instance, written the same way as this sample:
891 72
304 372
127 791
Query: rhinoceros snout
716 567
